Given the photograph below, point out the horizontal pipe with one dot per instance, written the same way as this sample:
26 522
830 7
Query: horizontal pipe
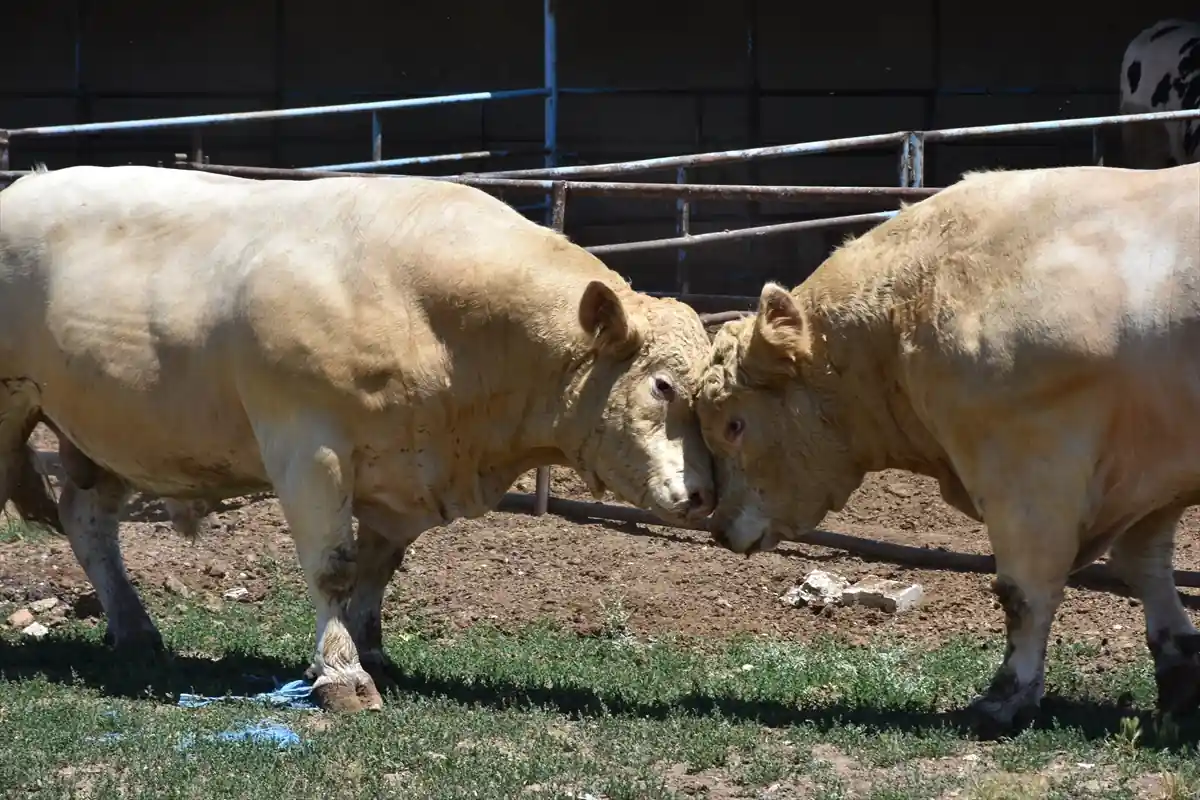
721 317
836 145
742 233
751 300
1100 575
708 159
952 134
697 191
203 120
404 162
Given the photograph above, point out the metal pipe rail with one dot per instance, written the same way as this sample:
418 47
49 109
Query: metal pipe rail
694 191
839 145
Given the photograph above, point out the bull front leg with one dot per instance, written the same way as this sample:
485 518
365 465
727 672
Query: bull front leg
310 466
1032 524
1142 558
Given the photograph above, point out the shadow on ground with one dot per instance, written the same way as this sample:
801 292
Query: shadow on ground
76 661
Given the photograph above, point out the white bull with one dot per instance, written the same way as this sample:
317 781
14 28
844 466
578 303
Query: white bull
1031 339
396 350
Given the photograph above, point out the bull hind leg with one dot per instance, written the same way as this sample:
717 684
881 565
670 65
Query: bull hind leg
20 480
1142 558
310 468
91 519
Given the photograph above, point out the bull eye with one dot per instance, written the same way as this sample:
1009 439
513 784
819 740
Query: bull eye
664 389
734 429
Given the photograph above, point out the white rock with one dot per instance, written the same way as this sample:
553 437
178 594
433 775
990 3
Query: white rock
43 605
820 588
886 595
37 630
236 593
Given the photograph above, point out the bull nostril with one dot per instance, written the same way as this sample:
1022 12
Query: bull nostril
700 501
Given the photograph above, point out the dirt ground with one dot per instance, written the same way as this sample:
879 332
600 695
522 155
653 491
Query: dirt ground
511 569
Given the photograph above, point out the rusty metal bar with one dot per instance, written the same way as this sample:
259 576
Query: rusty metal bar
707 159
558 221
980 131
721 317
838 145
693 191
581 511
743 233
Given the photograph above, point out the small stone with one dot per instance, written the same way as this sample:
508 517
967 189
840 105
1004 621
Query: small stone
43 605
176 586
886 595
819 589
216 569
21 618
236 593
35 630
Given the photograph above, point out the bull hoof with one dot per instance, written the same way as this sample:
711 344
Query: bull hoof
382 670
992 718
135 643
1179 688
347 691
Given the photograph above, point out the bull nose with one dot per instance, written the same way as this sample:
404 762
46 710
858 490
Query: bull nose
701 503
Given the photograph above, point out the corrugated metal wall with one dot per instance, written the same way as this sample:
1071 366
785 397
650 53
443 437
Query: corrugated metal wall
677 78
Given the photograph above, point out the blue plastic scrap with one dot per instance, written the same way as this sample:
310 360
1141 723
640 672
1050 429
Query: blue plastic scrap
293 695
281 735
262 731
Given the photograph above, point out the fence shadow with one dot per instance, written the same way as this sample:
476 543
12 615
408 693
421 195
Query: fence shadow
69 662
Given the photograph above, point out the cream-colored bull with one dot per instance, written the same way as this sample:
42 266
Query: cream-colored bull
1031 339
394 350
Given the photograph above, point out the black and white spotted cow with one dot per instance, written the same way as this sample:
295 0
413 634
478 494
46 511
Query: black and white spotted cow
1160 72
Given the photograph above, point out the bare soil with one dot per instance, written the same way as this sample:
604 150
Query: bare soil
511 569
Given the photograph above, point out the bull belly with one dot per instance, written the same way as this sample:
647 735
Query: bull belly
164 447
1151 454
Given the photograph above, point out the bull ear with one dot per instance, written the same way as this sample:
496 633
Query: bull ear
603 317
781 334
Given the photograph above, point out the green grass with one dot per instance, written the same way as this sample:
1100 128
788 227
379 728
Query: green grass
547 714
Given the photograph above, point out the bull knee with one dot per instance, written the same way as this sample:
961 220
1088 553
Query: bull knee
337 572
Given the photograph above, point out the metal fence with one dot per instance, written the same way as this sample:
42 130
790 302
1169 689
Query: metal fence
560 182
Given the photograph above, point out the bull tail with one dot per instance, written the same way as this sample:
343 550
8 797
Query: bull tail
20 481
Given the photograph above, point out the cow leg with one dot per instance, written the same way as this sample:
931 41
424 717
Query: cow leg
312 473
1034 556
1142 558
91 519
383 539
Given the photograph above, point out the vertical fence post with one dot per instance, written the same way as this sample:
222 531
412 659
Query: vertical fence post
912 160
376 137
197 146
4 149
558 216
683 227
550 75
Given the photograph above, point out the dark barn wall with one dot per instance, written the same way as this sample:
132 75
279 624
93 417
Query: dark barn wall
678 76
